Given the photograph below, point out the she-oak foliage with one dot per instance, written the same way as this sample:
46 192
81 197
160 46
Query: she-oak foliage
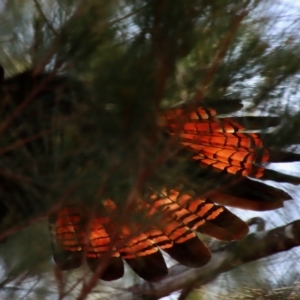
103 72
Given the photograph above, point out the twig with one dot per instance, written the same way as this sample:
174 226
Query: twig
39 8
255 246
224 45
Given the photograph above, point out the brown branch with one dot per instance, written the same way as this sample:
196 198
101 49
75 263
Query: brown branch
255 246
57 42
40 10
129 15
224 45
24 141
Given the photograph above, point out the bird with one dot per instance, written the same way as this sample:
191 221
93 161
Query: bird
224 160
224 149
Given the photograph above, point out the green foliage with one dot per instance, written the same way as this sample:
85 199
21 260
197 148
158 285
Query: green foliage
127 59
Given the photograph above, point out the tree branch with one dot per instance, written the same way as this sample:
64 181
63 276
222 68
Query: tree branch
253 247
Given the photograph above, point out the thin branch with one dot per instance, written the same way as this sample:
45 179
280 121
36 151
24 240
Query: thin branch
39 8
255 246
130 14
225 43
24 141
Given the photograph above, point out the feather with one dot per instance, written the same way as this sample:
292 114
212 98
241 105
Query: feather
224 153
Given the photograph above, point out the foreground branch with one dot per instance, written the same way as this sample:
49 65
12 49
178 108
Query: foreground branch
255 246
